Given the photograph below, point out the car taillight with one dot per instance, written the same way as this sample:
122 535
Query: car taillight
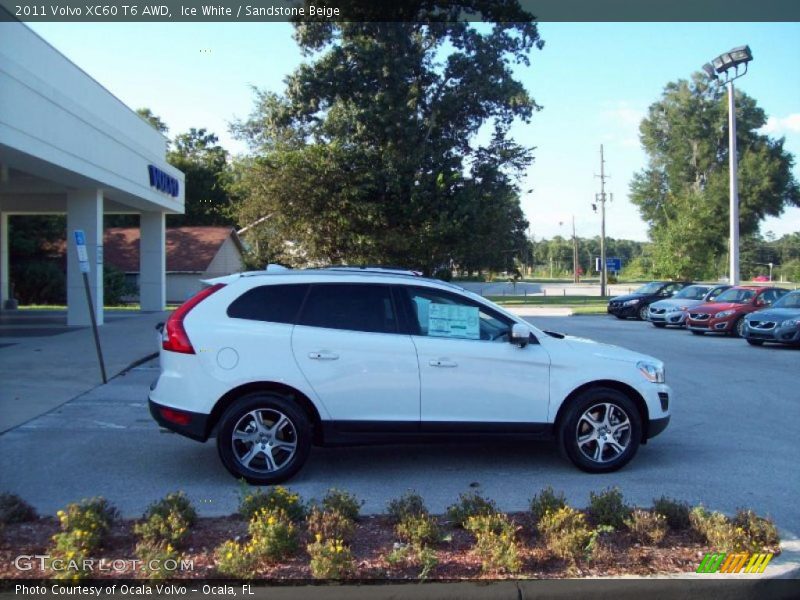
176 416
174 337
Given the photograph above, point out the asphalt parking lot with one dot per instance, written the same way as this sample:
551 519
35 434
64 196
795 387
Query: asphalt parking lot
732 442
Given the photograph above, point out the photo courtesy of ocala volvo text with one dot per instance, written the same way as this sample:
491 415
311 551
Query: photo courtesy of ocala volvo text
273 362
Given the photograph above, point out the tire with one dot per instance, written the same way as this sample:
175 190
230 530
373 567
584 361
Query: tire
753 342
591 406
659 325
268 464
642 314
697 332
738 328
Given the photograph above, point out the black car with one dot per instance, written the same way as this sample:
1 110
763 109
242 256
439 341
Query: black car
637 303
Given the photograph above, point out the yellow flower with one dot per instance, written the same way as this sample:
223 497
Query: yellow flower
318 537
229 555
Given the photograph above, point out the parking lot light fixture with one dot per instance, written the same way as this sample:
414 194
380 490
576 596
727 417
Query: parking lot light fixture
727 65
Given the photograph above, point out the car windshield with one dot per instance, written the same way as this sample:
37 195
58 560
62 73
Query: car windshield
789 301
649 288
693 292
736 296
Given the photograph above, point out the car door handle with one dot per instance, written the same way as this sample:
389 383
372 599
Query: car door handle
323 355
440 362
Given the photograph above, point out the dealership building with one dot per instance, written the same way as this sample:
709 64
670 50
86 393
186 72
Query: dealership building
69 146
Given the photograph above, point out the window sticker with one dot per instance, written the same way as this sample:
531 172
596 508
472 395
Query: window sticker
454 321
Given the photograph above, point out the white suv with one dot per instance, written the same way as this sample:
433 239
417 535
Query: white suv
275 362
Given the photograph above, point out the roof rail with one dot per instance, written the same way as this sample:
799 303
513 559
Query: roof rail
374 269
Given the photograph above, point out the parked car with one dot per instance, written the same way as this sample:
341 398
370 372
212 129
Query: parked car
273 363
761 278
673 310
637 303
780 323
726 314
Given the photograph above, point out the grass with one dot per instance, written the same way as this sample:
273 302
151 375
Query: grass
580 305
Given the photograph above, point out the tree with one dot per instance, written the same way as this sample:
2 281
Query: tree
683 193
154 120
371 153
205 164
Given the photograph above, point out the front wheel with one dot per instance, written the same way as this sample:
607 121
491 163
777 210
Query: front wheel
643 310
601 430
738 328
264 438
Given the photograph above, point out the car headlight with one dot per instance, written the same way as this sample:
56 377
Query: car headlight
630 302
791 323
724 313
651 371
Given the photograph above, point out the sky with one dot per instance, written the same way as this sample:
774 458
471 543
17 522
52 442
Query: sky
594 81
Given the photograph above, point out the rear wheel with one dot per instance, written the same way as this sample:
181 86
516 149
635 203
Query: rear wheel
264 438
601 430
753 342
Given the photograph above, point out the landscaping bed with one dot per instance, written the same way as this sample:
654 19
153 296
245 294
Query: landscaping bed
278 537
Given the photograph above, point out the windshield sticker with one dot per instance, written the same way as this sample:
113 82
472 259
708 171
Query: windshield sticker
454 321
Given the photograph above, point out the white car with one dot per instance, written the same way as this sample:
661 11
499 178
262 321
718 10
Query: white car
673 311
275 362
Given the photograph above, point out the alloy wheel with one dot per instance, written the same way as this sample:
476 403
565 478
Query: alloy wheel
264 440
603 432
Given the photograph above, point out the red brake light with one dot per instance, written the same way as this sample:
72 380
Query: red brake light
176 416
174 337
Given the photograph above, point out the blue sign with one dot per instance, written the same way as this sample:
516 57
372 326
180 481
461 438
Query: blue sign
613 264
162 181
80 246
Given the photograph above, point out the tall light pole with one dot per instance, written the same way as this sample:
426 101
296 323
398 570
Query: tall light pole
601 200
722 65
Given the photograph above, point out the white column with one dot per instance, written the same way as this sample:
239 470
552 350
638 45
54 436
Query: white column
85 211
152 261
5 277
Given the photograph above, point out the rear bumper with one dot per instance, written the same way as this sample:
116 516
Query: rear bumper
195 428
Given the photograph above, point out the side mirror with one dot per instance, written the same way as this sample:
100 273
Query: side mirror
520 334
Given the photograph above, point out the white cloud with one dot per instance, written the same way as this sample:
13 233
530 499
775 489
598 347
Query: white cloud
778 125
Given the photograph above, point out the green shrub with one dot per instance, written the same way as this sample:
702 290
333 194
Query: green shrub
608 508
566 533
427 559
14 509
330 559
342 502
676 513
115 287
235 560
250 502
153 557
406 554
647 527
167 520
747 532
544 501
409 504
469 505
87 522
273 535
330 525
495 542
419 530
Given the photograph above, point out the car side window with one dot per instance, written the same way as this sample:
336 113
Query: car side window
768 297
271 303
715 292
439 314
350 306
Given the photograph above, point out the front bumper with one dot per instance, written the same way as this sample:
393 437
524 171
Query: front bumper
623 311
780 335
711 325
656 426
194 427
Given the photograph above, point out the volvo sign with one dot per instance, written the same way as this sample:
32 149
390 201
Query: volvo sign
163 182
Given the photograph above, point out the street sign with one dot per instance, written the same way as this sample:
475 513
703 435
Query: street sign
80 245
613 264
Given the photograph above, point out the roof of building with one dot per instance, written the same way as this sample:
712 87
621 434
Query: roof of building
189 249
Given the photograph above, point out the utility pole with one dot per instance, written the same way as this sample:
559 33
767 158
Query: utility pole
575 264
601 199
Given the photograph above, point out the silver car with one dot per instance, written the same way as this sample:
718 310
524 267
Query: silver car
672 311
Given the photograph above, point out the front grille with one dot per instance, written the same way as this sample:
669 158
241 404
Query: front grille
664 397
763 325
615 304
699 316
657 311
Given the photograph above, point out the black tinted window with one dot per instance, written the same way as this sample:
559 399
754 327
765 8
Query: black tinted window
273 303
357 307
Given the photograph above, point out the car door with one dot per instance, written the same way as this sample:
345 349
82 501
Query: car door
472 378
348 346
